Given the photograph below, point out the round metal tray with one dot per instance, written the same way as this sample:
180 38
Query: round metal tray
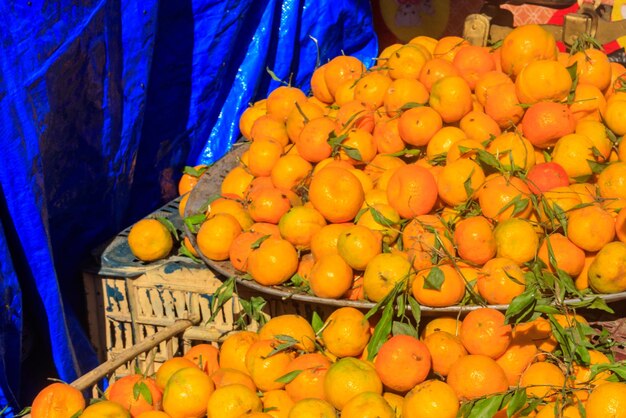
209 185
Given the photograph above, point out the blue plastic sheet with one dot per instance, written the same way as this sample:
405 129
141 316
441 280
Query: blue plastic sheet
102 103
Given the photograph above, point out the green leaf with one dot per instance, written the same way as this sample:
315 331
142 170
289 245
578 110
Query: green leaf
612 137
519 205
274 76
381 219
23 412
256 244
170 226
517 402
222 294
467 184
416 311
592 303
184 251
381 332
521 307
573 73
317 323
192 171
411 105
140 388
359 214
497 44
192 222
289 377
487 407
402 328
352 152
334 141
400 305
435 279
488 159
406 152
596 167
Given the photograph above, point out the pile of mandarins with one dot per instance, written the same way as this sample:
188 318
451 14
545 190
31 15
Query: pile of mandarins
477 366
452 168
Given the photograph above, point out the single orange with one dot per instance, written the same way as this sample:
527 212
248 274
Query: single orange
407 61
387 137
593 67
169 367
349 377
543 80
57 400
300 224
546 122
448 46
513 150
500 280
474 239
234 348
124 390
435 69
330 276
265 365
226 376
418 125
503 105
476 375
108 409
382 274
542 380
216 234
187 393
312 143
291 325
459 181
516 359
282 100
274 262
412 191
524 45
277 403
445 349
340 69
368 405
403 93
269 127
472 62
438 286
358 245
319 88
590 227
206 356
233 401
451 97
336 193
309 383
189 180
479 126
483 331
431 399
346 332
567 256
249 116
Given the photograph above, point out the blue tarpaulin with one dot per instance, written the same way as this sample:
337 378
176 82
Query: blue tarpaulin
102 103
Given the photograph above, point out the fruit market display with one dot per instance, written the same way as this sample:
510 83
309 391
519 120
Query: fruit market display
477 366
461 174
447 175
